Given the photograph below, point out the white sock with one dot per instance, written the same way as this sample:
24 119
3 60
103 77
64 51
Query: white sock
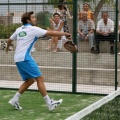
47 100
17 96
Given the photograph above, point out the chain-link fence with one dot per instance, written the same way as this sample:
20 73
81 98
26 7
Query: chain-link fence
82 72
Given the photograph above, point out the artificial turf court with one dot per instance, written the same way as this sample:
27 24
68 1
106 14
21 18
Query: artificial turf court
34 107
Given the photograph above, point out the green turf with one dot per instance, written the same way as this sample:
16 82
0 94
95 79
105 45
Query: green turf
34 107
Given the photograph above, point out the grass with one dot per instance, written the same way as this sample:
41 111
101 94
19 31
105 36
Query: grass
34 107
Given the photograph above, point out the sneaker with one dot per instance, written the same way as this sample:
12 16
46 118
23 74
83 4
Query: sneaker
15 104
54 104
119 53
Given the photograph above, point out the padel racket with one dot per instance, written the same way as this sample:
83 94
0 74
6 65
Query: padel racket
70 46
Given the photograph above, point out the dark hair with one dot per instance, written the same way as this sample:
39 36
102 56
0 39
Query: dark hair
60 7
25 17
104 12
56 14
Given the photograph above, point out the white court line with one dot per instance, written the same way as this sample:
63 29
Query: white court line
82 113
53 67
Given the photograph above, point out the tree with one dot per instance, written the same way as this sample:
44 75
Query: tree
57 1
98 7
100 4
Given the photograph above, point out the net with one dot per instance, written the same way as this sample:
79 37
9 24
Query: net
106 108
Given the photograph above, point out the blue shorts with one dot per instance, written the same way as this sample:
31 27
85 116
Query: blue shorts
28 69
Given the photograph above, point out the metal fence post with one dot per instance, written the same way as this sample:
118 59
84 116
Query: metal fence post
116 47
74 61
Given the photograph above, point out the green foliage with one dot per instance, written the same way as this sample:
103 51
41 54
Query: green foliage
70 7
43 22
6 31
43 19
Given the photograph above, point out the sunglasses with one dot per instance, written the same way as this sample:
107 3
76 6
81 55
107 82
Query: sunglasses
85 3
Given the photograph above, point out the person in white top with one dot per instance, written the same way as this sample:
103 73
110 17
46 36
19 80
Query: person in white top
105 32
57 25
26 36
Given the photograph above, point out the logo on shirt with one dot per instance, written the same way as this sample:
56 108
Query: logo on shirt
22 34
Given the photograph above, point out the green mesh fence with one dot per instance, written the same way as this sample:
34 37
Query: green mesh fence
82 72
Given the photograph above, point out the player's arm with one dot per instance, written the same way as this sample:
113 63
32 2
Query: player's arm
57 33
8 45
12 37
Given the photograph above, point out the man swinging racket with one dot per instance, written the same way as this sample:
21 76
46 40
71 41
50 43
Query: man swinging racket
26 36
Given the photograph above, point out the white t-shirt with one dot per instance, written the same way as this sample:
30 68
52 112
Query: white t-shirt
56 26
26 37
105 28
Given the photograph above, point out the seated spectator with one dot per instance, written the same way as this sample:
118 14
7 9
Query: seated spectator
86 29
105 32
64 15
56 24
90 14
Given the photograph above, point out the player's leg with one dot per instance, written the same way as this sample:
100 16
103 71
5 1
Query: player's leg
15 100
26 85
41 86
52 104
25 69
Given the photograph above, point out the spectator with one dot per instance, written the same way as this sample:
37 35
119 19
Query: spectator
90 14
57 25
64 13
105 32
26 36
86 29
